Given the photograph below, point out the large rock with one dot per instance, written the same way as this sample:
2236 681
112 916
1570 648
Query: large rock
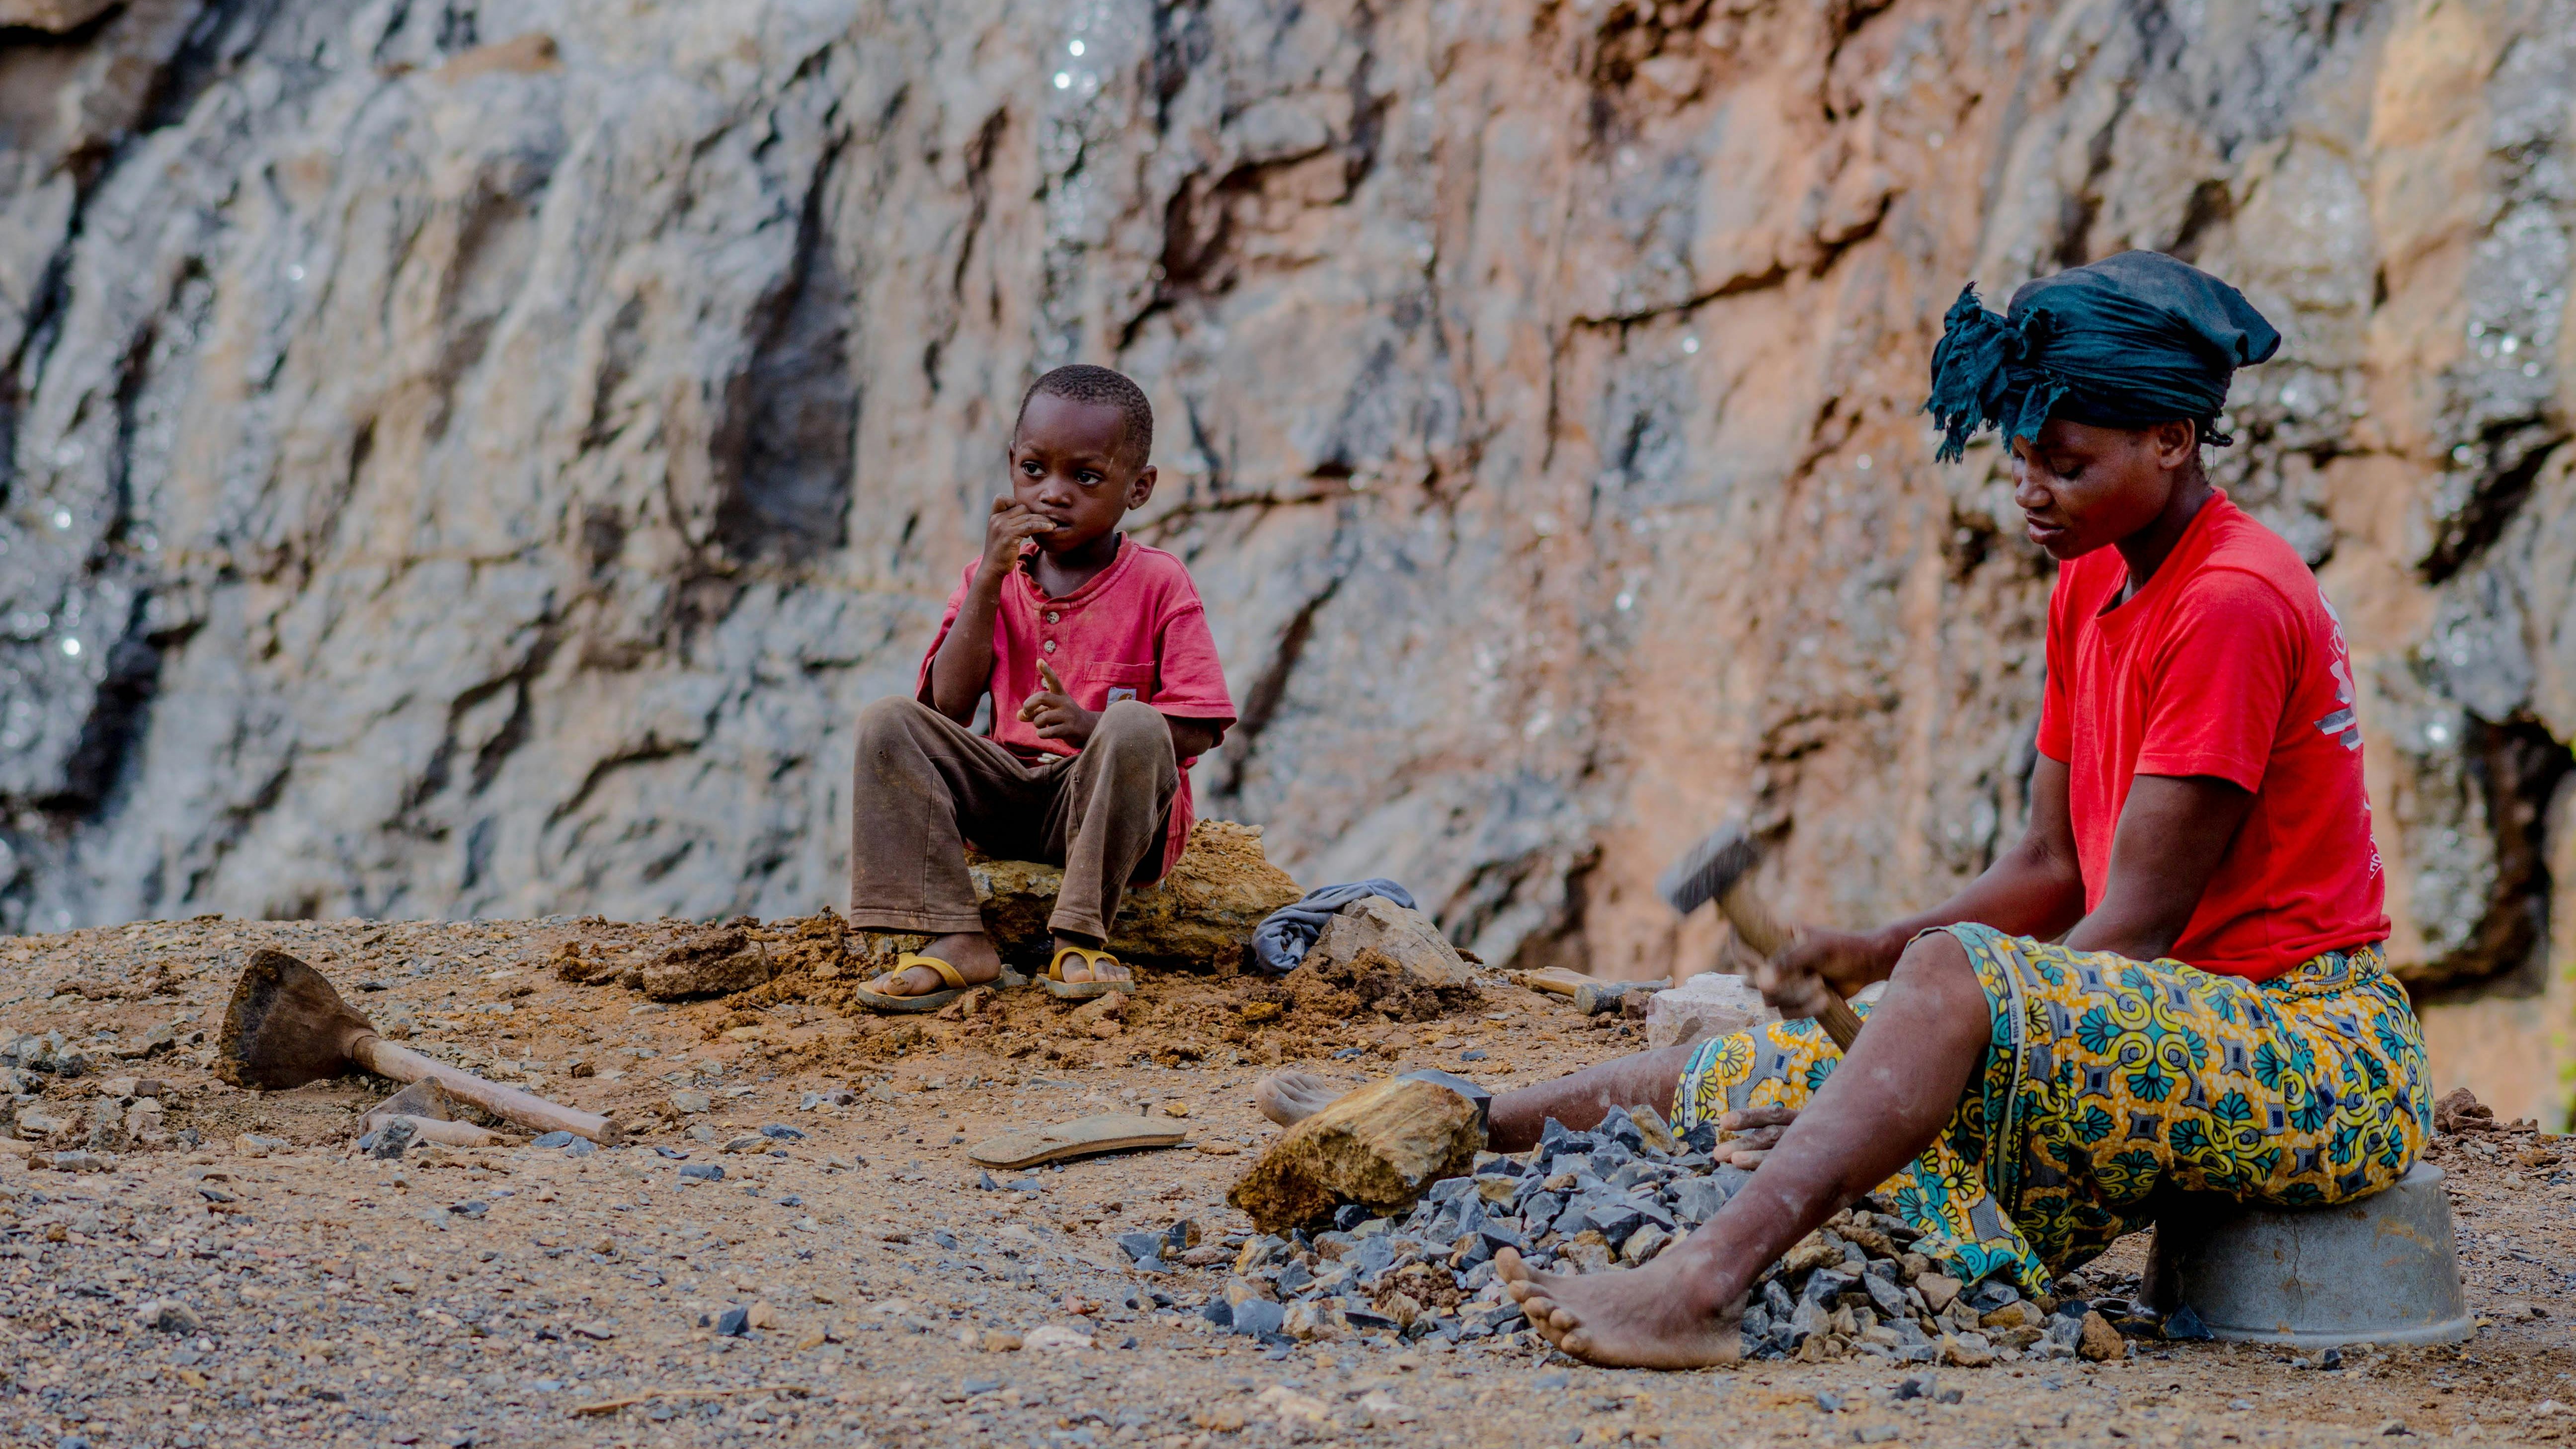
1405 939
1711 1004
483 467
715 962
1198 917
1380 1147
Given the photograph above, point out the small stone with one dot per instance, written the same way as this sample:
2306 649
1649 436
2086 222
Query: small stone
2098 1340
999 1340
1259 1317
2390 1427
748 1142
165 1316
2184 1326
392 1139
761 1315
594 1330
1939 1290
553 1140
1967 1350
781 1132
1050 1336
734 1323
1176 1109
691 1102
1711 1004
1644 1243
701 1172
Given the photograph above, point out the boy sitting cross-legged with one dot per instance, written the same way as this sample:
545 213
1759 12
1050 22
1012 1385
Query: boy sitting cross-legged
1105 687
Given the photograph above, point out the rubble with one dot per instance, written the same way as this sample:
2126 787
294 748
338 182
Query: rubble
1865 1285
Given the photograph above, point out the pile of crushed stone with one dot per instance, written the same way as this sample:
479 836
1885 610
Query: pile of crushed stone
1867 1284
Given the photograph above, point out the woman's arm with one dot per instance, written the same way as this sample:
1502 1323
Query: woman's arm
2173 832
2035 888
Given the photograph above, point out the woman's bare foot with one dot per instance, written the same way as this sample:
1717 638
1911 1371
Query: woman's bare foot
1079 970
1651 1317
971 952
1289 1098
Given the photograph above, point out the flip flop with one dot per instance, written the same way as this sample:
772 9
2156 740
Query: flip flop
929 1001
1116 1132
1056 985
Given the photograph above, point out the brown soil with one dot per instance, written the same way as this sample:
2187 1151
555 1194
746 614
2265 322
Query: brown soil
493 1291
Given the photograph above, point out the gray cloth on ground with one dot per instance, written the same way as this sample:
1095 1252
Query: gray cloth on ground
1286 934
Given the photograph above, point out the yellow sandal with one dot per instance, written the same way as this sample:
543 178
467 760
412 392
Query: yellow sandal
1056 985
928 1001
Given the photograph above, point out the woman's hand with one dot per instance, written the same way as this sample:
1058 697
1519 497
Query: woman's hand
1795 981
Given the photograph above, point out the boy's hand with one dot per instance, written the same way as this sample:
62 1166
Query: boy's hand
1003 533
1055 714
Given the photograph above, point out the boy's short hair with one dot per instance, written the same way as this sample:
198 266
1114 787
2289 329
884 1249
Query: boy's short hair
1084 383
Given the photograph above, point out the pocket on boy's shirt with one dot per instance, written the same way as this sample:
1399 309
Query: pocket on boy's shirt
1098 686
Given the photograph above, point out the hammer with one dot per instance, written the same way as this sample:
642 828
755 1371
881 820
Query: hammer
286 1026
1720 869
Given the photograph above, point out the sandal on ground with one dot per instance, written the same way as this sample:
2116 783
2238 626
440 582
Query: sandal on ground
1056 985
929 1001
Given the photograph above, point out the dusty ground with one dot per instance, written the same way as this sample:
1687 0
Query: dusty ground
350 1301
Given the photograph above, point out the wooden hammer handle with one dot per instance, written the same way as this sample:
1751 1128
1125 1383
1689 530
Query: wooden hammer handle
1768 937
507 1103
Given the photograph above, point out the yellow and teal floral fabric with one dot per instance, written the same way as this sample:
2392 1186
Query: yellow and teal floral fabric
2107 1078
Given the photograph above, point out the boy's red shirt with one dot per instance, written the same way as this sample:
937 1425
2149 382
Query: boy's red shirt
2229 662
1136 631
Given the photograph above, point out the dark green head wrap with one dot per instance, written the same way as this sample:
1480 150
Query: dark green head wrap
2127 342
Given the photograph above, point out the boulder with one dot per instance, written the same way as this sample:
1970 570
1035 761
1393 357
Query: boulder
1711 1004
1380 1147
1407 938
1195 918
711 962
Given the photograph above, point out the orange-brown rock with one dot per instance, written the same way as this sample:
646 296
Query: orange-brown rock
1380 1147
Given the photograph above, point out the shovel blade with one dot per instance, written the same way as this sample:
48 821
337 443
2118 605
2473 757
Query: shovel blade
285 1026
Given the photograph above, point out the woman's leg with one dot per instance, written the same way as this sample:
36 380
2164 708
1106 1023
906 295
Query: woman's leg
1879 1110
1515 1119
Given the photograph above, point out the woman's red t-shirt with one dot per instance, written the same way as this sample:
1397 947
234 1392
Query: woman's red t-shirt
2229 662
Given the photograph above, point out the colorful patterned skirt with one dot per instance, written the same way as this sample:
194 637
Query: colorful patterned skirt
2108 1078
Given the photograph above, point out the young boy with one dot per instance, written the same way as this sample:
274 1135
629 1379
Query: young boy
1105 686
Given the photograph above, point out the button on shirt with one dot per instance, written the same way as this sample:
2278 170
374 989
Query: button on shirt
1136 631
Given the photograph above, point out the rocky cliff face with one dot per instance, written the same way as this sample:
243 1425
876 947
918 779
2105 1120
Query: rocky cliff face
465 458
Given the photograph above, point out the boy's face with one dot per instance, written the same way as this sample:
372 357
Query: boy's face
2081 487
1069 464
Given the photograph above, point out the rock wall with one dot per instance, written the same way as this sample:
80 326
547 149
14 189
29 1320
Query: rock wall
462 458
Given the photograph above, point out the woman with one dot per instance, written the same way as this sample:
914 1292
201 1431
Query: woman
2172 979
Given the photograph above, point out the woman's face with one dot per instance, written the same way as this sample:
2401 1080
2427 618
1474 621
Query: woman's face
2080 487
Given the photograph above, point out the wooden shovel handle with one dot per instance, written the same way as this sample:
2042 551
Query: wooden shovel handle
507 1103
1765 933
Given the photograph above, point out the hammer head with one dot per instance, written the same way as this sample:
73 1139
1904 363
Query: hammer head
285 1026
1707 869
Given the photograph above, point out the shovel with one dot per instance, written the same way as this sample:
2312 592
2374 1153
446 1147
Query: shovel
286 1026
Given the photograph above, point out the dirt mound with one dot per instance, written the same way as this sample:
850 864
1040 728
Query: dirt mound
1367 984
